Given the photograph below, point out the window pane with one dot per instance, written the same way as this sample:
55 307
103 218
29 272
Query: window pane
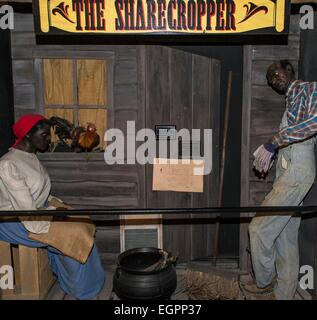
91 82
58 82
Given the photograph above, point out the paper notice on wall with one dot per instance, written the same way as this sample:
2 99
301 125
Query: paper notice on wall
178 175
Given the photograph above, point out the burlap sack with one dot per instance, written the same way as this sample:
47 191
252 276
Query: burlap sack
73 236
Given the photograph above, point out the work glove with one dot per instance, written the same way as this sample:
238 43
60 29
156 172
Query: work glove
264 157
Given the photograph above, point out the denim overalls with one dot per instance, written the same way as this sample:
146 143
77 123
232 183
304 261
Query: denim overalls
274 239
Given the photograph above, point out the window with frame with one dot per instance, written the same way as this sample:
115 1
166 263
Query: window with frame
76 90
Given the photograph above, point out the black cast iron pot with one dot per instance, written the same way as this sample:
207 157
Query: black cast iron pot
145 273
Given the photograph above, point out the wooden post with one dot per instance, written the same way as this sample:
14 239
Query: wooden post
6 93
222 167
245 155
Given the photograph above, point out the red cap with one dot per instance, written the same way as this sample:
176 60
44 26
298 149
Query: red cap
24 125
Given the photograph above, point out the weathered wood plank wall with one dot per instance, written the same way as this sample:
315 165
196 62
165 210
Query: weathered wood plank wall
188 97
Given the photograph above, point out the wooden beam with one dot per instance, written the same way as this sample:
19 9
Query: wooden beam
245 155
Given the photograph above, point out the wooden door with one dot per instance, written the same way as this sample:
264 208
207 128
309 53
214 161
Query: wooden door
183 89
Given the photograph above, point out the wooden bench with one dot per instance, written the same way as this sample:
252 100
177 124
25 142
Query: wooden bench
33 277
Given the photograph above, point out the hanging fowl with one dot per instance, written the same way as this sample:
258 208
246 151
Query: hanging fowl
82 139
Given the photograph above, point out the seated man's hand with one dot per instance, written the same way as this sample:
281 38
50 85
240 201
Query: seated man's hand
264 157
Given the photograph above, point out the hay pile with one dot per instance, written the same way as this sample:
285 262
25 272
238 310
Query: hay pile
206 286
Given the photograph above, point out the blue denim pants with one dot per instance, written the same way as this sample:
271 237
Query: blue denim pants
82 281
274 239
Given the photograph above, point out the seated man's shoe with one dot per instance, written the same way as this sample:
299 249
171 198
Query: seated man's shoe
253 288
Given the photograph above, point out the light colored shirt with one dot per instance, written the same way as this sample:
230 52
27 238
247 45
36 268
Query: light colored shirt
301 111
24 185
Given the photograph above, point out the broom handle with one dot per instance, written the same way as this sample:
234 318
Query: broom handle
222 168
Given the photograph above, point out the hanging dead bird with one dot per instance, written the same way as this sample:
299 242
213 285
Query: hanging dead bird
85 139
63 128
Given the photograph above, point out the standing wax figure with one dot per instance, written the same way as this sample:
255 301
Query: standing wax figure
274 239
25 185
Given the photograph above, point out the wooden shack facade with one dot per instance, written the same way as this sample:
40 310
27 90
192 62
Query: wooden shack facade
153 85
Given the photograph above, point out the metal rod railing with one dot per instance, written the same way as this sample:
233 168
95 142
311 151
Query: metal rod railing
117 211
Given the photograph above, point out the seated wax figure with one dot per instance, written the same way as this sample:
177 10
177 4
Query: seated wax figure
25 185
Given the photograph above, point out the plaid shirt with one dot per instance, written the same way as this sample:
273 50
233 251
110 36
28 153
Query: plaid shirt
301 108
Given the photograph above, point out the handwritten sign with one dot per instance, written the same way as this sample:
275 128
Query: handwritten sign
178 175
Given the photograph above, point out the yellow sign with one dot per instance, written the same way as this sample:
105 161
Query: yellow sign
161 16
